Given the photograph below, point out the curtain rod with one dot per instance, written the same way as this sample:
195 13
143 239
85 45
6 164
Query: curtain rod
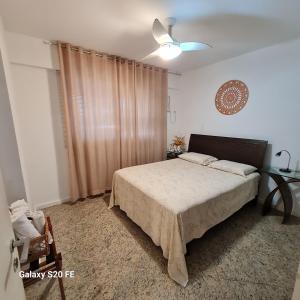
55 43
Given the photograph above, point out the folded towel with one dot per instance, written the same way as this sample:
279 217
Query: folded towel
21 210
23 228
38 220
20 206
18 203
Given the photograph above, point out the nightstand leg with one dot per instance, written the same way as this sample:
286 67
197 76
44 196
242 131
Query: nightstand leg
286 195
287 201
268 202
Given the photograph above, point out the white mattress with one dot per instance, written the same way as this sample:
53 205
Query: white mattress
176 201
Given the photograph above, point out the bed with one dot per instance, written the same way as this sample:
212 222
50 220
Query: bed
176 201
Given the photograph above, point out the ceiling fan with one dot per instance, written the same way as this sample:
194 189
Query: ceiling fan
169 46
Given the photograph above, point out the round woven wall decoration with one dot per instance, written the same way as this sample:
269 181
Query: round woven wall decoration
231 97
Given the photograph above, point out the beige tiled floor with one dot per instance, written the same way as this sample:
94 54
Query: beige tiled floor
246 257
296 294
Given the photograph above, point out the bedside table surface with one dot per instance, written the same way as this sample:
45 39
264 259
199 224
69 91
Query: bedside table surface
272 170
171 155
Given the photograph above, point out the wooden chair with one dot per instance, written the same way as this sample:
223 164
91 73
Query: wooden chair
40 248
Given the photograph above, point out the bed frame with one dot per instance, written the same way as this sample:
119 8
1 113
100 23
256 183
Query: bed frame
246 151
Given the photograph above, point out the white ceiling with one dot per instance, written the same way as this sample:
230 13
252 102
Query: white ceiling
123 27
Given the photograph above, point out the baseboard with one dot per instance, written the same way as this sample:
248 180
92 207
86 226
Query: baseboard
51 203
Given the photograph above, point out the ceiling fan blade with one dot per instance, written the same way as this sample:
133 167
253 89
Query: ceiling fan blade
194 46
160 34
152 54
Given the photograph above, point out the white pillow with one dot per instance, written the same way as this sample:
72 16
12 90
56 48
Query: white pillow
233 167
198 158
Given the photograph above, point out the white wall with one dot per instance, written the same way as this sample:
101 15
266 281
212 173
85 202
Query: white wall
9 155
39 119
31 51
272 112
174 98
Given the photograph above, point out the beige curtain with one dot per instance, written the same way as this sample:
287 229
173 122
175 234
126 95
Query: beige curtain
115 112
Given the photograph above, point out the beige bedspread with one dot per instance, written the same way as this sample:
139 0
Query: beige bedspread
176 201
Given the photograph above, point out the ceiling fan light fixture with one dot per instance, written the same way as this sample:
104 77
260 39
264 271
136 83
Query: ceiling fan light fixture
169 51
169 46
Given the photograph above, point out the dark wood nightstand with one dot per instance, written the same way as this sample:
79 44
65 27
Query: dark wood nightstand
284 189
172 155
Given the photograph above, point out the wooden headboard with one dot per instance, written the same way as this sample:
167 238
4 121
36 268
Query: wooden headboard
247 151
